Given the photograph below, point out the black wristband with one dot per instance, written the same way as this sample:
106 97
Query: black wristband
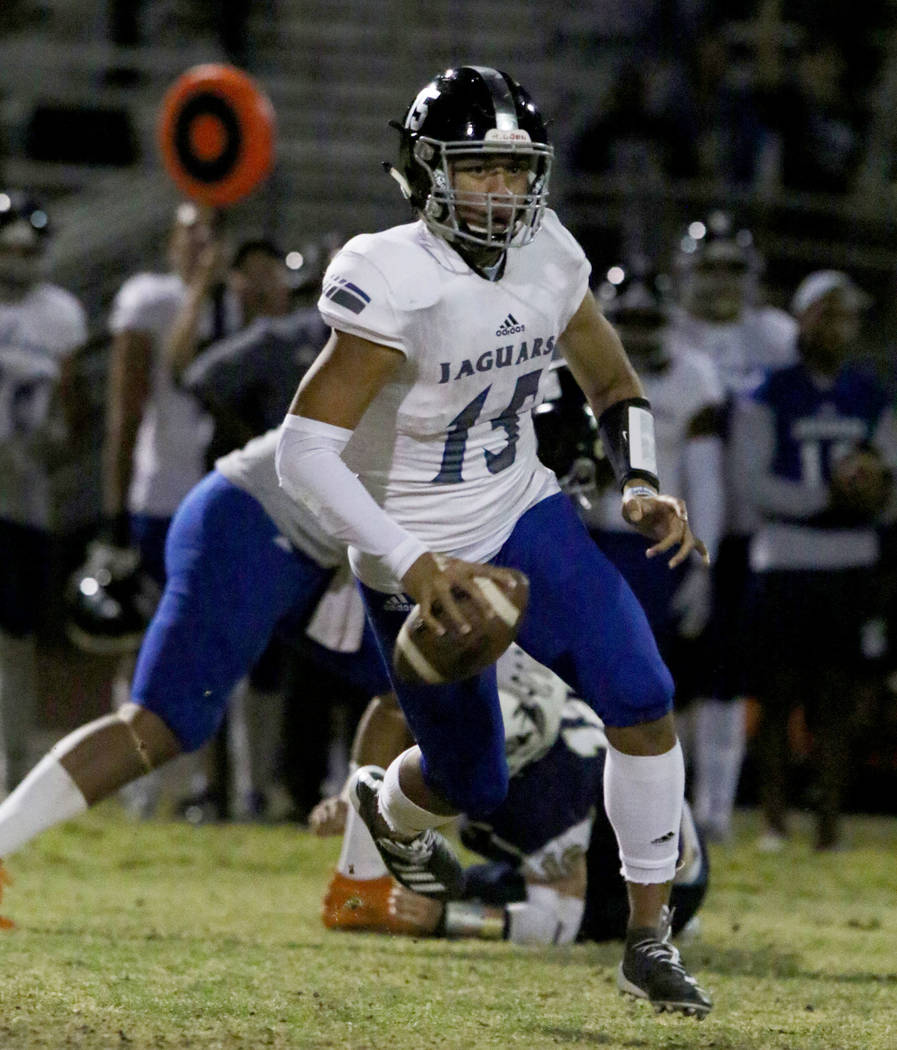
626 429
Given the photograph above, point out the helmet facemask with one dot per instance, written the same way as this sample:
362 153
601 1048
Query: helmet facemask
494 220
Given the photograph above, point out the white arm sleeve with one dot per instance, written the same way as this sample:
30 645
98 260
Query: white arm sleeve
311 471
703 462
545 917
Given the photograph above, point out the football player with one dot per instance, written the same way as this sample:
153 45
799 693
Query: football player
815 451
717 267
685 394
41 328
554 874
412 436
242 561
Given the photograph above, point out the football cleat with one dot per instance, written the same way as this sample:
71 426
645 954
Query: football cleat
5 880
426 864
362 904
651 969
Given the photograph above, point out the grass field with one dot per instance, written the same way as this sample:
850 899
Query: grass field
164 935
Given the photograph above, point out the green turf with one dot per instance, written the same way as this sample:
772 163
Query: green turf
163 935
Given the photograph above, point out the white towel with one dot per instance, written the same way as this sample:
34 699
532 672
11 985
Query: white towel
338 620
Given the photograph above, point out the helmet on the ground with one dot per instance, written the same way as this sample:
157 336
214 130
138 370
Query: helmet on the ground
472 111
531 698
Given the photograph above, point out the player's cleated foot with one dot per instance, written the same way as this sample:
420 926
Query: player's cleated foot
5 880
651 969
426 864
361 904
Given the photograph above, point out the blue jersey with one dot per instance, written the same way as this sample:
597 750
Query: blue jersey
815 424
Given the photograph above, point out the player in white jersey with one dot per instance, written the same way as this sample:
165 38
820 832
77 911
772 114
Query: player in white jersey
719 316
686 398
41 327
412 436
156 433
243 561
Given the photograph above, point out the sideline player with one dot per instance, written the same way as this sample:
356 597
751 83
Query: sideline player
412 435
242 560
554 873
718 270
42 327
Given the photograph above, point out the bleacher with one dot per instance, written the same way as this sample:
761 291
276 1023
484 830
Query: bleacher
336 74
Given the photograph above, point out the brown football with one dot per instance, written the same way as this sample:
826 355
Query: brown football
424 658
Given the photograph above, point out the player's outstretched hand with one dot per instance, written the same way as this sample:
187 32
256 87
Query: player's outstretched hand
664 519
438 584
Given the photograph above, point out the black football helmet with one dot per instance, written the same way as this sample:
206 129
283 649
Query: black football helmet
717 266
18 206
110 601
23 239
635 298
466 111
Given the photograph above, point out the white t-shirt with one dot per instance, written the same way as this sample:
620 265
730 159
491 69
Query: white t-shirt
689 384
169 457
36 335
447 447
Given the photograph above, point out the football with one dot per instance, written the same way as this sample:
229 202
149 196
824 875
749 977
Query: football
422 657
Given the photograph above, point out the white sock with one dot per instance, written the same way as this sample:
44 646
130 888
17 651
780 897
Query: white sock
643 797
405 817
359 858
719 753
47 796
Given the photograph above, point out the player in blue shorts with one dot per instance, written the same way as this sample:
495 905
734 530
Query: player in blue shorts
411 436
242 561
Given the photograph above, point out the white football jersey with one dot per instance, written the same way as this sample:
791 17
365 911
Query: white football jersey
689 384
743 351
169 457
36 335
447 447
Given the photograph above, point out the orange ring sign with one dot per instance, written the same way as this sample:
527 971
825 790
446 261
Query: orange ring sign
216 134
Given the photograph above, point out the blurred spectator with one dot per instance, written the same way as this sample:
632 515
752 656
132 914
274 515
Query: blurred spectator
156 434
245 380
718 269
630 137
807 103
715 100
814 449
41 328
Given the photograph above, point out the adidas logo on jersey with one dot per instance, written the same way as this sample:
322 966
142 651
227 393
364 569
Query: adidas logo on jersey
398 603
510 326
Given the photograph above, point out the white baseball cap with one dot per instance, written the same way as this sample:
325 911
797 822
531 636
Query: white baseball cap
818 284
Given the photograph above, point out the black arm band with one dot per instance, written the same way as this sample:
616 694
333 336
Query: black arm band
626 429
